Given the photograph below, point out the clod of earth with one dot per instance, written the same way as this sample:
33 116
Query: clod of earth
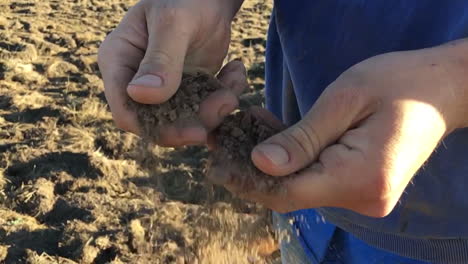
182 107
230 162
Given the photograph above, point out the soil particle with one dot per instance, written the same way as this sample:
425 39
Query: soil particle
235 138
181 107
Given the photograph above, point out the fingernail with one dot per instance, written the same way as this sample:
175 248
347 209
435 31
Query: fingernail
224 110
275 153
148 81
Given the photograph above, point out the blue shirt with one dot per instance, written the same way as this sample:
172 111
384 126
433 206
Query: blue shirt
310 43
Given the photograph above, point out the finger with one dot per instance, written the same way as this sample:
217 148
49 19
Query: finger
117 100
290 196
339 178
234 76
223 102
159 73
216 107
118 59
313 187
183 132
338 109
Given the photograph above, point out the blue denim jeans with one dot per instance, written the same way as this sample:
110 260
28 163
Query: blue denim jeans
344 248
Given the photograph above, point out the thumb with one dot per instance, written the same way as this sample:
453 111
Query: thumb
159 73
300 145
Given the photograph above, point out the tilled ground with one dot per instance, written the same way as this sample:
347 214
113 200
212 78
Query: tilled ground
73 188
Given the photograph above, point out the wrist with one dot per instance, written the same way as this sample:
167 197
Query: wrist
455 54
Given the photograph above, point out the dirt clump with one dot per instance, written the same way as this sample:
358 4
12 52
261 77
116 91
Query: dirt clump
181 107
235 139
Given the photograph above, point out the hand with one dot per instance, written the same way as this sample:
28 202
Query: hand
157 40
368 134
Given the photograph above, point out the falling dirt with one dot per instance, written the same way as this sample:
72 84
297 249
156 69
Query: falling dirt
72 188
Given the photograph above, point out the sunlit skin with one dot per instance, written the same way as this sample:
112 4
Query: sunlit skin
357 148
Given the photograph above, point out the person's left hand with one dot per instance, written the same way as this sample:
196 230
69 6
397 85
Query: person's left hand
368 134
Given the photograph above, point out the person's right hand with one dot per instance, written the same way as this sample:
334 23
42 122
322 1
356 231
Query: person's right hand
157 40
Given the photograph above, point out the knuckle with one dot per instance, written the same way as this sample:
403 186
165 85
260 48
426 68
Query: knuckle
351 87
354 76
174 17
239 85
304 138
348 96
168 15
156 57
171 16
334 157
